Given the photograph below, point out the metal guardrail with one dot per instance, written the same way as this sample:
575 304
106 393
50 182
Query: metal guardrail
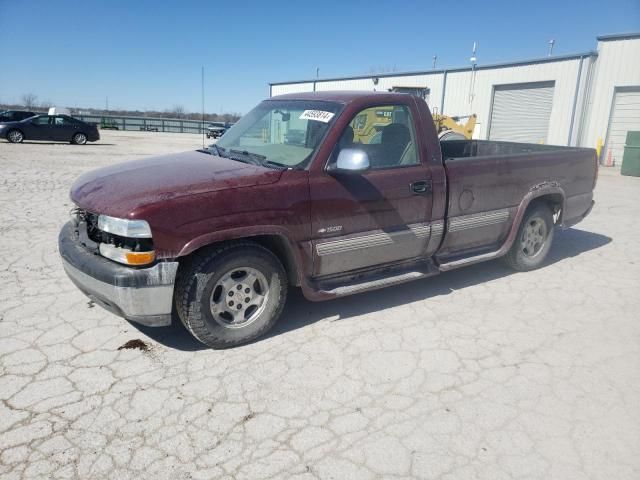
145 123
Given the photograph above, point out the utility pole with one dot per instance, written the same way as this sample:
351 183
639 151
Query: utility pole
552 42
202 106
317 72
107 104
435 61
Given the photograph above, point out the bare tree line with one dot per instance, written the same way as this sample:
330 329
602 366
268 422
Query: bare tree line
29 101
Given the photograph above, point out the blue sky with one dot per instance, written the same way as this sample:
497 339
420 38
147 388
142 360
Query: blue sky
148 54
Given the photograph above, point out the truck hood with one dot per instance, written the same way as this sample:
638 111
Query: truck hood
118 190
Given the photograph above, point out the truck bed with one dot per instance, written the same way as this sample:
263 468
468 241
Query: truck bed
488 180
454 149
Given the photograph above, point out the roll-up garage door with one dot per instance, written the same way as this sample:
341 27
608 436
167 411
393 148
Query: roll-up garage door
520 113
625 117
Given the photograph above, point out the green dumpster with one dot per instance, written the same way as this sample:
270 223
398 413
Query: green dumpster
631 157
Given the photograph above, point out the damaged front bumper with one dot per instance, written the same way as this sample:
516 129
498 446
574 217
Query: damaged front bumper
141 295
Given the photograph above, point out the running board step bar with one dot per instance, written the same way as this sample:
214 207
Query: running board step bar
371 281
463 262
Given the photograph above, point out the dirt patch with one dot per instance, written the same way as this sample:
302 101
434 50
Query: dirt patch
135 344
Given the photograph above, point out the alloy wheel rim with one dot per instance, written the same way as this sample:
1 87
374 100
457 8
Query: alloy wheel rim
239 297
533 237
15 136
81 139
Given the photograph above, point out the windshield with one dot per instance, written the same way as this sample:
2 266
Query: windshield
281 132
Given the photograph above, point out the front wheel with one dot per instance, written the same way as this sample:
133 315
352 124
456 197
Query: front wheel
534 240
79 139
15 136
231 295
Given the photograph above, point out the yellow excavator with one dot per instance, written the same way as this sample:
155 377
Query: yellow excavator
449 128
370 123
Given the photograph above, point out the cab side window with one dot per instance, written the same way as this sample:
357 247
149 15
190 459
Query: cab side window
385 133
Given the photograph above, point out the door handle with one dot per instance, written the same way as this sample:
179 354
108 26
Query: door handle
421 187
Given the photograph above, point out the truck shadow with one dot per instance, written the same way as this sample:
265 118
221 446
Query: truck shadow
300 312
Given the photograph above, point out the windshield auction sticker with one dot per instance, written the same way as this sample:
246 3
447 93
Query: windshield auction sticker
318 115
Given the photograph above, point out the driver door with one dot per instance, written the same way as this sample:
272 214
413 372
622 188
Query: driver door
379 216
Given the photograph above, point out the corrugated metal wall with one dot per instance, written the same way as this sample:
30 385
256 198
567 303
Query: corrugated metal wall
433 82
460 99
582 99
291 88
618 65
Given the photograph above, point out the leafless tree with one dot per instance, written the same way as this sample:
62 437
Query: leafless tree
178 110
229 117
29 100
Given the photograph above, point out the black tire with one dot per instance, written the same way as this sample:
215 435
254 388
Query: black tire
199 282
79 139
15 136
534 239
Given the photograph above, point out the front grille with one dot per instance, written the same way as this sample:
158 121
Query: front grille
98 236
91 219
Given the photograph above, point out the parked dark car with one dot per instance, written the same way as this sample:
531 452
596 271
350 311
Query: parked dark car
217 129
58 128
15 115
218 235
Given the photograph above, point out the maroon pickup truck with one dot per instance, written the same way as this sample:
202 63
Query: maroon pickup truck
218 235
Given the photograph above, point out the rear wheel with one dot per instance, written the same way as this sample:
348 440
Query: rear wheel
534 240
79 139
15 136
231 295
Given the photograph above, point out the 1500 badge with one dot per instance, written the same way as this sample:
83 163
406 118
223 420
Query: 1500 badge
332 229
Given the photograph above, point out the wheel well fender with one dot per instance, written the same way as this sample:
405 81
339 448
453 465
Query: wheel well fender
551 194
282 249
275 241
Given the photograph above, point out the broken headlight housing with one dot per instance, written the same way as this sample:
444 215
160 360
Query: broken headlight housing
125 241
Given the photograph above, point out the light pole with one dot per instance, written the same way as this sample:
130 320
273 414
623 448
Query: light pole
202 126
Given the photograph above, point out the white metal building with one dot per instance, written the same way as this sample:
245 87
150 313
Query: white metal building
563 100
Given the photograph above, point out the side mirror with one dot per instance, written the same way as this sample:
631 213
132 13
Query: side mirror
351 161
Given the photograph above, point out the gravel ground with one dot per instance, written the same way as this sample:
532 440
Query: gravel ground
479 373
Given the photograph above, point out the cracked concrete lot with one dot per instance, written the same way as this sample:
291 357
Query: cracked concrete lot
479 373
